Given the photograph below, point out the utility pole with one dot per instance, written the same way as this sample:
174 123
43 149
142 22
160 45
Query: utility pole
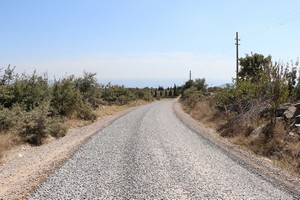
237 55
190 75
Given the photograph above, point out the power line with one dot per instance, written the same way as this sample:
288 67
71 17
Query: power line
277 22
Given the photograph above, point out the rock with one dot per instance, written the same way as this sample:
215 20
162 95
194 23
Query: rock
297 105
291 133
282 108
290 112
256 132
280 111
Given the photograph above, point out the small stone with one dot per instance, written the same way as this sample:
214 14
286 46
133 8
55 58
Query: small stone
291 133
297 105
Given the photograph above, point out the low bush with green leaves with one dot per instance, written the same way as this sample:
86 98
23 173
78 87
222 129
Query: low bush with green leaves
33 107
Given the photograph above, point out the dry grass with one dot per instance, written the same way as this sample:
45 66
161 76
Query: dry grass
277 144
7 142
202 110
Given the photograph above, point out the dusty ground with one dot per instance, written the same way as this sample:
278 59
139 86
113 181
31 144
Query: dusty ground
26 166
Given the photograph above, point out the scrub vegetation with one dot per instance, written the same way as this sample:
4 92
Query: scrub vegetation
33 107
259 111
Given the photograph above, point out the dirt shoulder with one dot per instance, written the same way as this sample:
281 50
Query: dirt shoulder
259 165
26 166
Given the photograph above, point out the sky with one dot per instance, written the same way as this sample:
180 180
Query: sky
139 43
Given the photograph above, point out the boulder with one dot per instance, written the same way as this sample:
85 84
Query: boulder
282 108
297 105
290 112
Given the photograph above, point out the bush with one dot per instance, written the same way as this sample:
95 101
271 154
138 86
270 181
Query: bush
32 108
117 95
33 126
28 91
86 112
7 119
65 97
191 96
36 125
89 88
56 128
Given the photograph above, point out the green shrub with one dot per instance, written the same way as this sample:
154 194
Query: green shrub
117 95
191 96
7 119
33 126
85 112
36 125
29 91
65 97
56 127
89 88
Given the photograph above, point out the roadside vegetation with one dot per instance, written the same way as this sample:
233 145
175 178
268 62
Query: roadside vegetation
34 108
259 111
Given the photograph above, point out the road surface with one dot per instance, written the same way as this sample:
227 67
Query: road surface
150 154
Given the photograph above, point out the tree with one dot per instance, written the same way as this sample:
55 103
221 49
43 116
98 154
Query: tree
175 90
252 66
171 93
166 92
89 88
200 84
8 76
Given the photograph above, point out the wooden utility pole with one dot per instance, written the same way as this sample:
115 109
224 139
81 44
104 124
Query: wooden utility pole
237 55
190 75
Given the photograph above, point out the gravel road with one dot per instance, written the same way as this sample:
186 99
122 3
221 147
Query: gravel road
150 154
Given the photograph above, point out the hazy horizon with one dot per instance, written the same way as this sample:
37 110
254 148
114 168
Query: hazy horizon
154 83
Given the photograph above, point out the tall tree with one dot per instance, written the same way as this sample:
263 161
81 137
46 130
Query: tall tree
253 65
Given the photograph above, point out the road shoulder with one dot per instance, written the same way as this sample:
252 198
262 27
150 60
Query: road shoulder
259 165
29 166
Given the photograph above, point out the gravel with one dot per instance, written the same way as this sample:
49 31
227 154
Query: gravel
150 154
26 166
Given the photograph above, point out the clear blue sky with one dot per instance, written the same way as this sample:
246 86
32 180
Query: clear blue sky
143 41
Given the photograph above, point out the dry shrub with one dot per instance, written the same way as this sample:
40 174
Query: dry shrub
203 110
244 122
7 142
270 142
290 159
103 111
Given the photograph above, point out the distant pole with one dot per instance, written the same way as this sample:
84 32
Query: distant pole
190 75
237 55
